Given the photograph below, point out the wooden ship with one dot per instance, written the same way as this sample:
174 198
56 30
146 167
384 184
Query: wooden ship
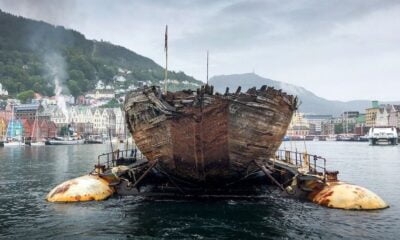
201 144
208 139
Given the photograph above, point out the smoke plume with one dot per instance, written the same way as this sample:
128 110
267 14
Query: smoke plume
56 64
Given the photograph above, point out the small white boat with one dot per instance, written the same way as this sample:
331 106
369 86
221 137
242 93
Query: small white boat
94 139
331 138
13 144
65 141
40 143
71 139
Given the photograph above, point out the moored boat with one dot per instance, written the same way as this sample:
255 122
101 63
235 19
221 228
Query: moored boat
383 135
71 138
13 143
65 141
39 143
331 138
202 137
94 139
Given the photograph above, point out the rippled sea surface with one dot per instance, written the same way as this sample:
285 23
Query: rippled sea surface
27 174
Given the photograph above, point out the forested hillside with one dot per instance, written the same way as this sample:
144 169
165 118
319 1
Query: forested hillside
34 53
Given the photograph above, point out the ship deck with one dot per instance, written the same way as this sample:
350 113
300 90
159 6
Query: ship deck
136 176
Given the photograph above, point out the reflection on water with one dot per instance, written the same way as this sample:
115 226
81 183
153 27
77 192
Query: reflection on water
27 174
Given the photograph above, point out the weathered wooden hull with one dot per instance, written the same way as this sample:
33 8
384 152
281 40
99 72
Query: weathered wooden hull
206 138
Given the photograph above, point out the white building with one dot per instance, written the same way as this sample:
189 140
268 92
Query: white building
394 116
101 94
382 116
119 122
100 120
3 91
59 117
318 121
119 78
100 85
299 126
103 119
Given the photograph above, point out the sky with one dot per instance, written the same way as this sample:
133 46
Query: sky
338 49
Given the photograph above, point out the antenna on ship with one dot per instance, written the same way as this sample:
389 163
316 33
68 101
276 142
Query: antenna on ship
166 59
207 67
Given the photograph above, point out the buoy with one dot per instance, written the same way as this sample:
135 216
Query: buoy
346 196
85 188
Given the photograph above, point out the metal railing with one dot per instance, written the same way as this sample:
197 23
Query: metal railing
110 159
315 164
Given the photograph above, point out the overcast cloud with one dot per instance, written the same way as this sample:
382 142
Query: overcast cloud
339 49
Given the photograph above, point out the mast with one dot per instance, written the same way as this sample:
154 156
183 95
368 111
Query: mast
166 59
12 121
207 67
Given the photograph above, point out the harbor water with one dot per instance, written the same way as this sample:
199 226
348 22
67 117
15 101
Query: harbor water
27 174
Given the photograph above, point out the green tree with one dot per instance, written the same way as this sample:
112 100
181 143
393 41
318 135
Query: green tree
26 96
113 103
338 128
74 88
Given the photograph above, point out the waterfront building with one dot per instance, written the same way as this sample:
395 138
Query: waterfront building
360 127
48 129
103 120
80 114
15 128
348 121
370 114
59 117
328 128
119 123
109 118
27 125
382 115
298 131
350 114
298 120
3 128
394 116
88 120
27 111
97 120
6 115
318 121
299 126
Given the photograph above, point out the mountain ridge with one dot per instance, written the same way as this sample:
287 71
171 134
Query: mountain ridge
310 102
